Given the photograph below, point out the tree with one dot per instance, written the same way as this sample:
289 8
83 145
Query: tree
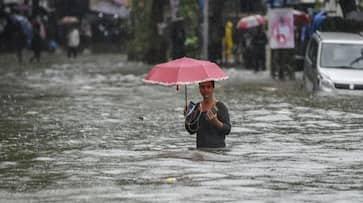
138 30
190 12
146 44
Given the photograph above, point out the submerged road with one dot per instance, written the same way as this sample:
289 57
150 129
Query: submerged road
89 130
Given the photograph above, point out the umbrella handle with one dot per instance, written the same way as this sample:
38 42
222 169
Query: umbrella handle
186 95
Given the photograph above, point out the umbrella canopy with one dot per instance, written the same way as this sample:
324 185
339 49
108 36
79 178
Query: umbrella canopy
25 26
22 7
250 21
69 20
184 71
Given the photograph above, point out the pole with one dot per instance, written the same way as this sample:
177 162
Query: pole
205 29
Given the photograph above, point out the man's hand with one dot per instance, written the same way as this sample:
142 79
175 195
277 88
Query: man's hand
211 116
214 119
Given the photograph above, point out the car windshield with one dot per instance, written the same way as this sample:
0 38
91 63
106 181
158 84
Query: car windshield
335 55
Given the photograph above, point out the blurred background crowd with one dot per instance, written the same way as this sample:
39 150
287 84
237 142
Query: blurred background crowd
157 30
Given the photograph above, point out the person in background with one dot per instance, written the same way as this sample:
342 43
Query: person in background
73 42
178 37
211 119
86 35
36 43
20 41
227 42
246 47
259 42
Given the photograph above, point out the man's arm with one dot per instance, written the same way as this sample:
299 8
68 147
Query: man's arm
222 119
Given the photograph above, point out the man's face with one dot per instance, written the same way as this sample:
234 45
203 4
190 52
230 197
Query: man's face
206 89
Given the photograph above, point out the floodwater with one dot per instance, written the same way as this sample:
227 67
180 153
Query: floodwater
89 130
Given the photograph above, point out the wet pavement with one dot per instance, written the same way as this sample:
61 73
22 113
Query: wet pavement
89 130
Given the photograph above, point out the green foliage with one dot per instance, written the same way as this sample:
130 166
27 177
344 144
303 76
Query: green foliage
140 35
318 5
145 44
189 11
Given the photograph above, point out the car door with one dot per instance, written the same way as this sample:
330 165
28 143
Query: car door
310 66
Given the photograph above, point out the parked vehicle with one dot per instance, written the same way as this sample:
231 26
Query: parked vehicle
334 62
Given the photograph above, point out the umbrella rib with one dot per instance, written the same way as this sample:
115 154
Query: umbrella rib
177 75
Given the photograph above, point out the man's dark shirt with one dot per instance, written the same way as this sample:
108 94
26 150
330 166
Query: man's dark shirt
208 134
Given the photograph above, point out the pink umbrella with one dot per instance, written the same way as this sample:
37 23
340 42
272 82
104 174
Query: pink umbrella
184 71
250 21
69 20
300 17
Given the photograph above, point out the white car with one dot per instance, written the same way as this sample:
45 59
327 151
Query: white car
334 62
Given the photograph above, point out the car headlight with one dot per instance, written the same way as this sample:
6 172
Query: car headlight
325 83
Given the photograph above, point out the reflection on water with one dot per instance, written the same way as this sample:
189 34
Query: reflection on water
90 130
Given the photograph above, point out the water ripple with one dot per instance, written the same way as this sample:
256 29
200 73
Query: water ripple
91 130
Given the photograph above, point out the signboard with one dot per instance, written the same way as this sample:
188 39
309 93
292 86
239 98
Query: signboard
114 7
281 28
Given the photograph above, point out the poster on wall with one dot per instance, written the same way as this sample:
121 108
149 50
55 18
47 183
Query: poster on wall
281 28
114 7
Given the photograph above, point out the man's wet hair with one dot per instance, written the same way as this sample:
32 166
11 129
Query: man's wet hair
210 81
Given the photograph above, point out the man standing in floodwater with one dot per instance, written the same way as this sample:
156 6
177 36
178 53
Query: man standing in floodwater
210 119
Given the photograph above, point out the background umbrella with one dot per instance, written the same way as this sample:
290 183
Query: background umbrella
69 20
250 21
184 71
25 25
22 7
300 17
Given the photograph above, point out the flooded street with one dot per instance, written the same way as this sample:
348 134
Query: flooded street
89 130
